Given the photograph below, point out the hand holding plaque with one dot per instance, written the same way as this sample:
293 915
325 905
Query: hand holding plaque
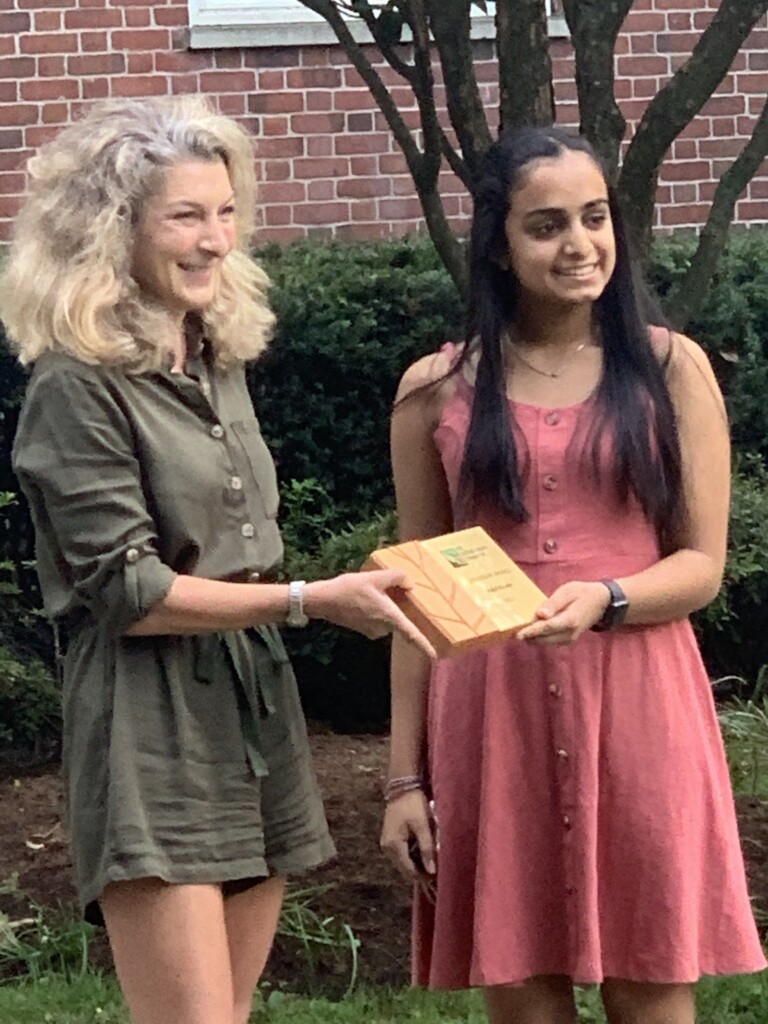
467 592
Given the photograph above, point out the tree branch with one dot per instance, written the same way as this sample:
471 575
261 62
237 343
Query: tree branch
594 27
526 95
450 23
676 105
714 235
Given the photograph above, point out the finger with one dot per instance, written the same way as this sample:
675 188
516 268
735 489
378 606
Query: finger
403 625
424 838
389 579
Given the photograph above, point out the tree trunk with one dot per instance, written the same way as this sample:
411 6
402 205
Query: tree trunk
526 95
594 26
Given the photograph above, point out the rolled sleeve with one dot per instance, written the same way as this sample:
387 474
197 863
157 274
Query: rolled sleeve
94 535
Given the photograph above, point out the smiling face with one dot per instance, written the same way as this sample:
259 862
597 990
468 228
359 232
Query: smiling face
186 229
559 232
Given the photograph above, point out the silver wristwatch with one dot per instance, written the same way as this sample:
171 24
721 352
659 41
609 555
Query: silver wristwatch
296 616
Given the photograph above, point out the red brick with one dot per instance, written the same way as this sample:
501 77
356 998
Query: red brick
685 170
723 126
677 42
645 21
745 126
48 42
314 78
320 191
685 149
227 81
17 67
283 236
96 64
9 205
271 80
275 102
54 113
268 148
363 188
50 89
184 84
723 147
170 63
365 209
12 22
400 209
352 99
359 122
277 215
317 124
758 61
11 138
641 66
364 166
278 57
691 214
754 83
277 170
38 135
283 192
93 42
402 186
140 63
316 100
179 38
320 213
140 85
138 17
34 4
319 145
12 183
364 232
369 143
92 18
141 39
7 46
274 125
642 43
14 159
310 169
228 60
95 88
317 56
754 211
392 163
680 21
171 16
233 104
9 91
684 193
645 88
19 114
676 5
759 188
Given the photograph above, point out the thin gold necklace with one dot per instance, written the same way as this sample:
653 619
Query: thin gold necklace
552 374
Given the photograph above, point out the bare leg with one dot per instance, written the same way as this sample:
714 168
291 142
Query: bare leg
631 1002
171 951
547 999
251 919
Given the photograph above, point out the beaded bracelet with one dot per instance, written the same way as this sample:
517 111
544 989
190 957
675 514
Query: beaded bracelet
395 788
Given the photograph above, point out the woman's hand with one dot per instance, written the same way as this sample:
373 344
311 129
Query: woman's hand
408 822
360 601
570 611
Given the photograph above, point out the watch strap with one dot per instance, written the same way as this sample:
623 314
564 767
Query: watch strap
296 615
616 612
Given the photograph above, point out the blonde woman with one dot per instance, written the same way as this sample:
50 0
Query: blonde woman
191 794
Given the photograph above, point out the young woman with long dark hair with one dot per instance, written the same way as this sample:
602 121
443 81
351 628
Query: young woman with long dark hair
586 825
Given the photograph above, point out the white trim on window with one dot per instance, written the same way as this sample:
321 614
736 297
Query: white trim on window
230 23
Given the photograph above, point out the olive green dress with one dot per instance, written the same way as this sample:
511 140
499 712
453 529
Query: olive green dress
186 757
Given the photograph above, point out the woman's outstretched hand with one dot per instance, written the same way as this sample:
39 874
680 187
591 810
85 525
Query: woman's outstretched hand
361 601
570 611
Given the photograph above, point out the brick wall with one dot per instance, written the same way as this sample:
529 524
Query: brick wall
327 162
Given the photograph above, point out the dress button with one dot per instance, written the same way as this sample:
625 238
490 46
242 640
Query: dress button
551 546
554 689
570 890
217 431
132 556
247 530
205 387
550 482
254 577
562 754
236 483
567 823
552 419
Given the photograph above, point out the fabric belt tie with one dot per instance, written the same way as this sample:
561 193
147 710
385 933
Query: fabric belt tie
255 657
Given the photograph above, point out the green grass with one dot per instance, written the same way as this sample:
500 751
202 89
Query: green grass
95 999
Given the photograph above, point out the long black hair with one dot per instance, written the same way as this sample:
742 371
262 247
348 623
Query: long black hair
634 406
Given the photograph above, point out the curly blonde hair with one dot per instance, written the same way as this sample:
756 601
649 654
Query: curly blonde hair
67 282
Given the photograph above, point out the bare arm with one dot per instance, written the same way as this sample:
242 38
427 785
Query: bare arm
424 510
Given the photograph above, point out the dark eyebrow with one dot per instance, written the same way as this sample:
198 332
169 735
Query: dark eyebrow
553 211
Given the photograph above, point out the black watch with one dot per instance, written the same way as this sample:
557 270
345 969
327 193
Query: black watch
616 612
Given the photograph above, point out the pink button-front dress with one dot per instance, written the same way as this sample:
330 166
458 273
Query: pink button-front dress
587 826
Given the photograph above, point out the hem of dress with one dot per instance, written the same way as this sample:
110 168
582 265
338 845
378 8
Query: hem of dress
598 978
296 861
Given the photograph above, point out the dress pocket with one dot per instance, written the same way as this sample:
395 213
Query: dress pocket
259 460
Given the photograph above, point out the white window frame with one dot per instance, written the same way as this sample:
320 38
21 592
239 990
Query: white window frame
253 23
